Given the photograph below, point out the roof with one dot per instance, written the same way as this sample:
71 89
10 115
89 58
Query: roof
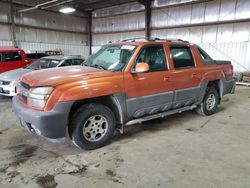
61 57
8 48
139 41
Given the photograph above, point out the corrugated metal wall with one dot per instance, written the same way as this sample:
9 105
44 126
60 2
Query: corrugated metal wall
220 26
42 30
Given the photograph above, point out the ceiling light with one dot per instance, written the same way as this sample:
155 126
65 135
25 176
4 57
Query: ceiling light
67 10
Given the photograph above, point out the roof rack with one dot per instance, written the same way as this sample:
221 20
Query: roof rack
172 40
134 39
153 39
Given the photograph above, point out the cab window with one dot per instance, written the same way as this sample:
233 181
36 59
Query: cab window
182 57
154 56
77 61
67 62
11 56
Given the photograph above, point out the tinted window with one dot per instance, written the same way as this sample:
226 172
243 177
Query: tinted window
77 61
203 56
0 57
67 62
154 56
182 57
11 56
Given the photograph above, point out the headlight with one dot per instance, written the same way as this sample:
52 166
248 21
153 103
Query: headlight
38 96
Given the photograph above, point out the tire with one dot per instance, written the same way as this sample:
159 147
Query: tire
210 102
92 126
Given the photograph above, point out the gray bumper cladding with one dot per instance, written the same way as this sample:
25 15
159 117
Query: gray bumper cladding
228 86
49 124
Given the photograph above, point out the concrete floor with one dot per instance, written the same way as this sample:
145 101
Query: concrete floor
184 150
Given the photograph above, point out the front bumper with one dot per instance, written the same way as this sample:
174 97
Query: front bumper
7 90
48 124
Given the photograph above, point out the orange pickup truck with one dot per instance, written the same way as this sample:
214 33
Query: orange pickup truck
124 83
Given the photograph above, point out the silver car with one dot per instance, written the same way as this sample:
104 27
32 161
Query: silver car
9 79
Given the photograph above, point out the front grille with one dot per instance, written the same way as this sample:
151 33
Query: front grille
23 92
2 82
26 86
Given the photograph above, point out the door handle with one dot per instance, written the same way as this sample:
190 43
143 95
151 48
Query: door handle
167 78
196 76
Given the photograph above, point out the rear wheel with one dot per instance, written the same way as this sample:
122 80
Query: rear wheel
92 126
210 102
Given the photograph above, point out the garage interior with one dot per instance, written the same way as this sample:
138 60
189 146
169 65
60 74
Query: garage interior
183 150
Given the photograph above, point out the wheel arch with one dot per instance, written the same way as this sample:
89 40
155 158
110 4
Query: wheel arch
116 103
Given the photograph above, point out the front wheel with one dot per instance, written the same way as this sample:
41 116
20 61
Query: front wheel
210 103
92 126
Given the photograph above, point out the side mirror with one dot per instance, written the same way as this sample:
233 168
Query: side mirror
141 68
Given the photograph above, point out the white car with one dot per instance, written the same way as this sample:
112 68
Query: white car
9 79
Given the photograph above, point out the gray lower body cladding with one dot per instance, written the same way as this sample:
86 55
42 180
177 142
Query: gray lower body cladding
152 104
227 86
52 124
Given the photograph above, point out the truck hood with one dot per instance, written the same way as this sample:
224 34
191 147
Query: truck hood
14 74
60 75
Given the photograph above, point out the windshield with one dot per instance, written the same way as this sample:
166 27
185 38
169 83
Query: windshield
44 64
111 57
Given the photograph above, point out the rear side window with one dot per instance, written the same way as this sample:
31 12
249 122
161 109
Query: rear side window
11 56
77 62
67 62
182 57
203 55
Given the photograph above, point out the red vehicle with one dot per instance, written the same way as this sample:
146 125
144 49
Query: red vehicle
12 58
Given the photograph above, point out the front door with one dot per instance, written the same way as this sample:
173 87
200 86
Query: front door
11 60
149 92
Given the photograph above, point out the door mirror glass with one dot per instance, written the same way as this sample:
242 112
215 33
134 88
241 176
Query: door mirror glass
141 68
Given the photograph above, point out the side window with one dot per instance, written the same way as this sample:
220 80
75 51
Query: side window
11 56
182 57
1 60
203 56
77 61
154 56
67 62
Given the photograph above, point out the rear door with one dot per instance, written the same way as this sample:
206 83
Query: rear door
149 92
11 60
185 76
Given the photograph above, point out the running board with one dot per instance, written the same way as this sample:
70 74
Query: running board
160 115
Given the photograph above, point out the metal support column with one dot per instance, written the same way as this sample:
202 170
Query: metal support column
147 4
13 26
90 31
